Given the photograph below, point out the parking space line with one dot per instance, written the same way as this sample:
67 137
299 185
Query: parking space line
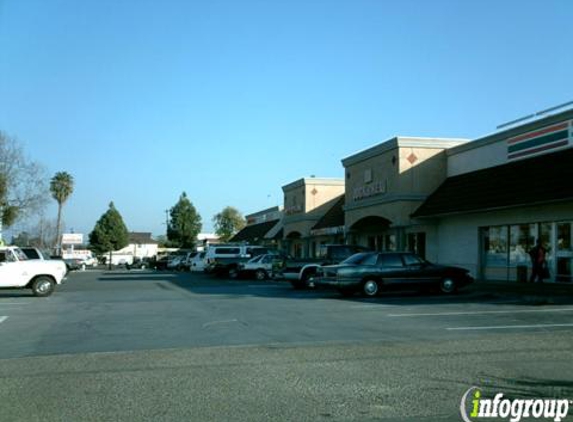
509 327
14 303
515 311
226 321
3 318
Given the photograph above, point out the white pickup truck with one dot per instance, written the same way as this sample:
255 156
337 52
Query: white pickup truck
17 271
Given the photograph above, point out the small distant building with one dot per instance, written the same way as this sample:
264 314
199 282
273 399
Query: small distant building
141 245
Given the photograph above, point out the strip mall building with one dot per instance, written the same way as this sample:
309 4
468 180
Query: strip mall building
479 204
503 192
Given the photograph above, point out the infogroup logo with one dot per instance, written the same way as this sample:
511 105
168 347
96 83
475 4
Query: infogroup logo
475 407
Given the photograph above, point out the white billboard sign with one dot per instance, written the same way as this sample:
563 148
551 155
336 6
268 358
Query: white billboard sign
72 239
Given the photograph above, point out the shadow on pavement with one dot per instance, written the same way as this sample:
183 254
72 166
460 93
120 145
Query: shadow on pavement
12 293
200 283
211 285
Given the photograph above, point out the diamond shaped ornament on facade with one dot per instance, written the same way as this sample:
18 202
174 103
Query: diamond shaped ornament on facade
412 158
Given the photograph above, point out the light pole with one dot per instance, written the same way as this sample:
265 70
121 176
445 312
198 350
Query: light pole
166 222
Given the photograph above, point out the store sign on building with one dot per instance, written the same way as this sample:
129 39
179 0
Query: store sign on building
328 231
294 209
540 141
367 191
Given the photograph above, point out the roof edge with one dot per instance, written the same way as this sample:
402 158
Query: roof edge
404 142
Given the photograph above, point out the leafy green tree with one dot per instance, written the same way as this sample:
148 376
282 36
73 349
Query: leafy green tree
228 222
23 187
184 223
61 188
109 234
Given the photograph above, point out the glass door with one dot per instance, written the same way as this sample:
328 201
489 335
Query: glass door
564 252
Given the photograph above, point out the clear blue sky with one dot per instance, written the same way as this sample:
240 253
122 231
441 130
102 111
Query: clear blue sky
230 100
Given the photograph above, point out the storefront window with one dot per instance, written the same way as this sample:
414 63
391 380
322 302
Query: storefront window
564 253
417 243
496 246
505 250
521 240
297 250
390 242
564 236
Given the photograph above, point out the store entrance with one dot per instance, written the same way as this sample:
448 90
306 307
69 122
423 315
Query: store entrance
505 251
375 233
564 252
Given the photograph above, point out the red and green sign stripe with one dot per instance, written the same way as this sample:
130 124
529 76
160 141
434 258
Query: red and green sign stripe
550 137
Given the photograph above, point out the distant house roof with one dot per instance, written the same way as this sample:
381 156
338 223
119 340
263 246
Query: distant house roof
542 179
254 232
334 217
142 238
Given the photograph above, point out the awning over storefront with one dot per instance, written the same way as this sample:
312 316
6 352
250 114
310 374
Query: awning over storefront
332 222
546 178
254 232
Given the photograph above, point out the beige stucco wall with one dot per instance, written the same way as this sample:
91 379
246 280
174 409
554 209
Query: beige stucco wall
407 183
397 212
470 160
424 175
301 226
382 170
294 201
317 195
458 236
304 196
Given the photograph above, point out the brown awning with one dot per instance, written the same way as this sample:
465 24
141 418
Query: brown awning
254 232
542 179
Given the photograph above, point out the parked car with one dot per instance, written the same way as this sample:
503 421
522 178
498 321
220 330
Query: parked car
261 267
196 263
73 264
161 263
138 263
300 270
225 259
90 261
40 275
372 272
32 253
176 262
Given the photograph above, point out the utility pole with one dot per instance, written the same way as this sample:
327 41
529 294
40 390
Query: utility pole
166 222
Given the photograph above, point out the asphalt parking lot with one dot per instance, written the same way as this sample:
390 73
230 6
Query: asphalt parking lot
126 345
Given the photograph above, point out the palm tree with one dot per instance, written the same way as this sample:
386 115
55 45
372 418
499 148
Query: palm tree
61 188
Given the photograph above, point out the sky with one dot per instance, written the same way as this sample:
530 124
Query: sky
229 101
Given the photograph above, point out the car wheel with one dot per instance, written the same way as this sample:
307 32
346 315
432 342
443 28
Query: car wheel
261 274
233 273
448 286
370 288
43 286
